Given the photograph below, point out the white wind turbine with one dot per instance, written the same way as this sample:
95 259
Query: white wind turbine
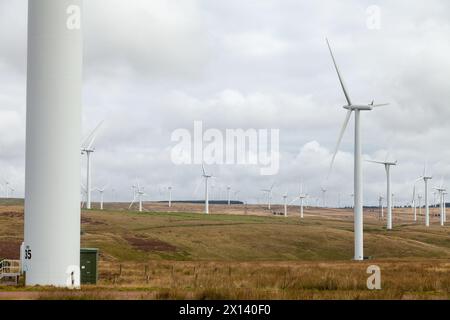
441 190
420 204
87 148
269 193
445 206
285 197
380 201
138 194
358 178
229 195
102 194
8 188
413 204
387 166
170 189
425 179
302 196
324 193
206 177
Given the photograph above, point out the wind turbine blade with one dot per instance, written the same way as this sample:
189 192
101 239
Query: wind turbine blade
341 80
87 144
380 105
298 198
341 135
373 161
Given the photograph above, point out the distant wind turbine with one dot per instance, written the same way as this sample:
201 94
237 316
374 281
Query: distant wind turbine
229 195
413 204
170 189
358 178
441 191
269 195
445 206
138 194
387 166
285 197
324 192
102 193
87 148
302 196
380 201
420 204
425 179
206 177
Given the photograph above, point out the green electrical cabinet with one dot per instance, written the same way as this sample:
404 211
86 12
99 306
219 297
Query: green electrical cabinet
89 266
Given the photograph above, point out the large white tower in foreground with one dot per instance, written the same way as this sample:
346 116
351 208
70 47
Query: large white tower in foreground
52 192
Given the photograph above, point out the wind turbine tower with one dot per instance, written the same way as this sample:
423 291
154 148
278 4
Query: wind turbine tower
53 133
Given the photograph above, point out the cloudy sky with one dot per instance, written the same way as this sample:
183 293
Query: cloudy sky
152 67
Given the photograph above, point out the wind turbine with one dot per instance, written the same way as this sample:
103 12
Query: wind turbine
102 193
387 166
420 204
414 202
324 191
425 179
441 191
8 188
302 196
170 189
285 197
445 206
358 178
87 149
138 194
229 195
269 195
380 201
206 177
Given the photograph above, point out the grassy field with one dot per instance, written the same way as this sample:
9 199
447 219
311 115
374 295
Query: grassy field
246 253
